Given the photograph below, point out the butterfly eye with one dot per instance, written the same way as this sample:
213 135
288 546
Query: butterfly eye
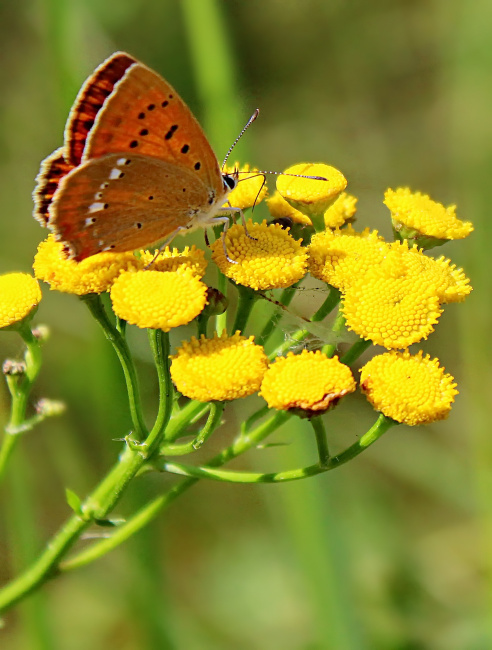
230 182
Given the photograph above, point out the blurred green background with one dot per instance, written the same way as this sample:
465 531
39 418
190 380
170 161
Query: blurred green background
394 550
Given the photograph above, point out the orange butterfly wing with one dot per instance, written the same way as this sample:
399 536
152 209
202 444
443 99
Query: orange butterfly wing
145 115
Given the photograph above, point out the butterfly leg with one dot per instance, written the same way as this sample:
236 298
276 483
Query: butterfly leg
166 242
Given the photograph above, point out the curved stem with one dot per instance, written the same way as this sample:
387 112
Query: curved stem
150 511
233 476
114 336
213 421
285 299
355 350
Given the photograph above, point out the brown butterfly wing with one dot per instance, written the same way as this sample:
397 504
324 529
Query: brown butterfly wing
145 115
90 99
124 202
53 169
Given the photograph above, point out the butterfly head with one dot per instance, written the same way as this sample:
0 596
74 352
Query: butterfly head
230 180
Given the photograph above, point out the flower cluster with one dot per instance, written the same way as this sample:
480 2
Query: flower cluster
392 295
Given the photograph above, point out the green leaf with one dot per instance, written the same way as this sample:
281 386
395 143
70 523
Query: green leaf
73 501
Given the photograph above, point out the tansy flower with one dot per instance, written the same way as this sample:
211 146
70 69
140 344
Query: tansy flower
95 274
409 389
171 260
250 190
312 197
279 207
341 257
309 382
342 209
450 283
391 307
219 369
159 300
416 216
19 296
268 258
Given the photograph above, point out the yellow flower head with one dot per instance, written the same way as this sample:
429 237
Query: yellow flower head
159 300
449 282
391 307
250 190
336 215
268 258
95 274
309 382
171 260
415 214
409 389
219 369
342 257
312 197
19 296
343 208
279 207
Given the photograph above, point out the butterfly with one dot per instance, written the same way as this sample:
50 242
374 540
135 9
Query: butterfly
135 168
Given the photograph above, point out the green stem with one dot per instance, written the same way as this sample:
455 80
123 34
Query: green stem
285 299
159 342
234 476
355 351
93 302
321 441
148 512
20 387
338 326
213 421
180 420
328 305
247 299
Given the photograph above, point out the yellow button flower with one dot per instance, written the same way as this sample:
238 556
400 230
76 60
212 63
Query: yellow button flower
250 190
279 208
450 283
268 258
219 369
409 389
309 382
95 274
171 260
312 197
342 257
342 209
158 300
390 307
413 211
19 296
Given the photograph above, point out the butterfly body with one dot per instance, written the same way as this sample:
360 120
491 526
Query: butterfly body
136 166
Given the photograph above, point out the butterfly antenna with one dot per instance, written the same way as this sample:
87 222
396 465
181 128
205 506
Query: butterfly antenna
246 126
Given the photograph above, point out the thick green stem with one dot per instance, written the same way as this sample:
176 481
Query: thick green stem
159 342
355 351
247 299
